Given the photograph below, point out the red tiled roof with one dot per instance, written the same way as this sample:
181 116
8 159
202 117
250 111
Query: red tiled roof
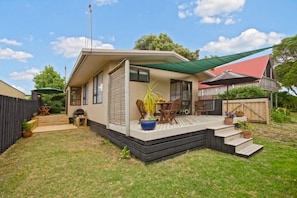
252 67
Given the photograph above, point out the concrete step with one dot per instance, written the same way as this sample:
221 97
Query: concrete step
240 143
249 150
229 135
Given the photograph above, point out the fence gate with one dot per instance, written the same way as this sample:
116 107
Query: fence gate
256 110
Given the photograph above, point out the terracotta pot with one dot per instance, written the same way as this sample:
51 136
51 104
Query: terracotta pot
246 134
228 121
27 134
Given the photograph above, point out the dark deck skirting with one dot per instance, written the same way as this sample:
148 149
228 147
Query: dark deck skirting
153 150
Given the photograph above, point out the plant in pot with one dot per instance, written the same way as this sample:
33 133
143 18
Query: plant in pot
27 132
239 113
246 128
149 102
229 118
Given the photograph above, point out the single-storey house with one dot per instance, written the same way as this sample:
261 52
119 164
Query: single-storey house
107 83
8 90
260 67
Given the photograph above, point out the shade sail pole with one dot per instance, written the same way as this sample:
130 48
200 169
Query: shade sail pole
227 97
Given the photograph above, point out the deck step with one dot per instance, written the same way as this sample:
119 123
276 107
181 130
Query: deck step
240 143
229 135
221 128
249 150
54 119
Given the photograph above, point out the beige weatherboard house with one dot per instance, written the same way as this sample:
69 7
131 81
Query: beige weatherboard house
106 83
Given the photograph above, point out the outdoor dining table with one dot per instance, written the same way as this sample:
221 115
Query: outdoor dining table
44 110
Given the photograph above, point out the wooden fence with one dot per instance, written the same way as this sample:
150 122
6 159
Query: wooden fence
256 110
12 112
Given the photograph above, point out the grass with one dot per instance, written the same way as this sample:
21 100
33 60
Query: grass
81 164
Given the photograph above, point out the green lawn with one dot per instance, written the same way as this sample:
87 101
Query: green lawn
82 164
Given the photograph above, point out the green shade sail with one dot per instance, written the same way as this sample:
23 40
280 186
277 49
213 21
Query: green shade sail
197 66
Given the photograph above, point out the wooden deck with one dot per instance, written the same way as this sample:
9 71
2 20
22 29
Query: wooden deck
186 124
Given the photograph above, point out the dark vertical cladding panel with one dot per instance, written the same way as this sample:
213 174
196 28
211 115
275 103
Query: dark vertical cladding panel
154 150
12 112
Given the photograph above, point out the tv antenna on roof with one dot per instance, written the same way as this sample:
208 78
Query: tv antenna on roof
90 10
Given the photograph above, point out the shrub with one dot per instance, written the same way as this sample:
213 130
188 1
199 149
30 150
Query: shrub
244 92
281 115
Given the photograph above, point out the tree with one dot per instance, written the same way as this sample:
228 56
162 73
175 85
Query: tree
164 43
285 55
48 78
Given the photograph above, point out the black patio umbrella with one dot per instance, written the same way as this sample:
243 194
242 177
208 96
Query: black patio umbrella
48 90
229 78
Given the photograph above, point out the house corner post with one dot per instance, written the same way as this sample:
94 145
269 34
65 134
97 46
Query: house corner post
127 96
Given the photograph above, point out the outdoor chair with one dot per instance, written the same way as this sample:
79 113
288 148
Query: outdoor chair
169 114
141 109
199 107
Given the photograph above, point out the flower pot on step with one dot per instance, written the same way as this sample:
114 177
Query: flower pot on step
228 121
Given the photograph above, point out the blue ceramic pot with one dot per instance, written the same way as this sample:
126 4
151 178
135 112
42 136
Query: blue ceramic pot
148 124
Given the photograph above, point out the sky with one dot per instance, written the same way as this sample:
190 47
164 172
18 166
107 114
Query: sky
34 33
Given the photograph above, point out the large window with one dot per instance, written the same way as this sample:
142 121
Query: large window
75 96
85 94
140 75
98 89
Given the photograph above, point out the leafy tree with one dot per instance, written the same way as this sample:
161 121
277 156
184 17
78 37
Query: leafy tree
285 55
244 92
164 43
48 78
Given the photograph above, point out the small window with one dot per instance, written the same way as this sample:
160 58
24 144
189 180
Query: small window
140 75
85 94
75 96
98 89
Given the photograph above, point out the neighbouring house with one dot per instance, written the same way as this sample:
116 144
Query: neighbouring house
8 90
107 83
260 67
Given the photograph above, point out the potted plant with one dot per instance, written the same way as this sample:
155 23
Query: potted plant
246 128
27 132
239 113
229 118
149 101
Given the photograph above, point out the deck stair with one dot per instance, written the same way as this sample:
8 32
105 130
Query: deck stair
227 139
54 119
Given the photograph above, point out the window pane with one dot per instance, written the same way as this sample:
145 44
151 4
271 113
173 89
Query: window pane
133 75
143 76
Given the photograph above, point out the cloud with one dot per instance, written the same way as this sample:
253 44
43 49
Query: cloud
247 40
8 53
211 11
10 42
185 10
26 75
105 2
71 46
